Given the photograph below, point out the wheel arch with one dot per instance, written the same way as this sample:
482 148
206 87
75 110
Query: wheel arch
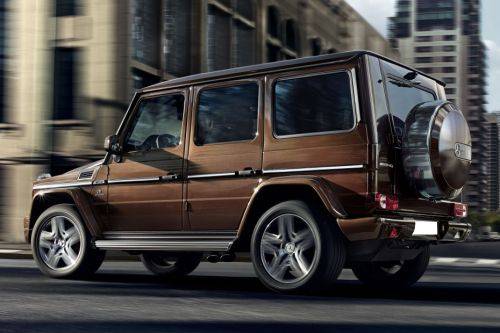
314 190
74 196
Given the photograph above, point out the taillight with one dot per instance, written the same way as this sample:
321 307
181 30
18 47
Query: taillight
387 202
459 209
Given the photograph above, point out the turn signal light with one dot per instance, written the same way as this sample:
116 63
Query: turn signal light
387 202
460 209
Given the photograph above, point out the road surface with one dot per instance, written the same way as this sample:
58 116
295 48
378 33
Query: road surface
227 297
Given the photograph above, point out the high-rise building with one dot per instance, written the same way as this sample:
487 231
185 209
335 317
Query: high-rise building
68 67
443 38
493 152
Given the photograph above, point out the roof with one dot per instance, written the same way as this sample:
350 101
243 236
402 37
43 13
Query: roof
273 67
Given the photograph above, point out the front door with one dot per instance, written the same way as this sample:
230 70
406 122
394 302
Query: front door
145 182
225 154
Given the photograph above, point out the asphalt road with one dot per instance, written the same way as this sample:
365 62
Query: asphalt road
123 298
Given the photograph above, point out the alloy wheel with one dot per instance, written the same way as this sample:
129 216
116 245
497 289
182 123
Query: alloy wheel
288 248
60 243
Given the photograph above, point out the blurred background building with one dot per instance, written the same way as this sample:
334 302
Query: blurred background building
443 38
69 67
493 153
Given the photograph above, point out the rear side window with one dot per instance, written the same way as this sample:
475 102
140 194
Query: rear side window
227 114
313 104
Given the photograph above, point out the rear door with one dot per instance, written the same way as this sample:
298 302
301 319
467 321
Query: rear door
225 153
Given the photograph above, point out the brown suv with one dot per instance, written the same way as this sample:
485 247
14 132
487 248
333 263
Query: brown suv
310 165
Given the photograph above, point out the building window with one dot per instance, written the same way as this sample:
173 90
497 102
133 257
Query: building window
273 21
449 80
316 46
230 39
424 38
448 69
65 83
227 114
450 91
177 25
146 31
432 16
449 48
286 41
67 7
4 15
422 49
313 104
449 59
423 60
427 70
291 37
449 37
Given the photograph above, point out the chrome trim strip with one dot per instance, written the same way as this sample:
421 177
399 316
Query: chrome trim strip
134 180
327 168
161 236
179 245
61 185
212 175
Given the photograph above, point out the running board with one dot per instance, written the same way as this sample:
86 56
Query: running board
181 241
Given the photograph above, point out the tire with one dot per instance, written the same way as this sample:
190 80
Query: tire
171 265
61 244
392 274
303 242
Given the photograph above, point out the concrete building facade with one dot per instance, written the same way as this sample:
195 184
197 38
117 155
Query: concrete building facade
443 38
68 68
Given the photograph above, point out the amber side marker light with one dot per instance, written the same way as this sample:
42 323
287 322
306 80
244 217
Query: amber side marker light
459 209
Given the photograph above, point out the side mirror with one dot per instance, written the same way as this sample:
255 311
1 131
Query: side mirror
111 145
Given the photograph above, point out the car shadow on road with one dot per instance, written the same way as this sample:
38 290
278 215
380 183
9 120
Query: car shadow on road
252 288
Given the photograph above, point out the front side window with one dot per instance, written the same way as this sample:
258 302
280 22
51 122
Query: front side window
227 114
157 124
313 104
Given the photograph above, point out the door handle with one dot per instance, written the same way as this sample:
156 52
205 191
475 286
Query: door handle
170 177
246 172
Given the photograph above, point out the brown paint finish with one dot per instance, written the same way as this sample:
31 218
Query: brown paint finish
151 204
128 193
218 203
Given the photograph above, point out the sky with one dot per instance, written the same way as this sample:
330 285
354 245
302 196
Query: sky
377 12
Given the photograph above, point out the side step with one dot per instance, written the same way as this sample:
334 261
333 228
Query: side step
177 241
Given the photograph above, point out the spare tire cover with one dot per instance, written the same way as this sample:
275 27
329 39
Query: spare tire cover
436 150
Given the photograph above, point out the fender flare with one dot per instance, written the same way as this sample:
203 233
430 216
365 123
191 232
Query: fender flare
81 202
318 184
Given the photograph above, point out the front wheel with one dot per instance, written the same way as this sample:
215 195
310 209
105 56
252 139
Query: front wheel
61 244
296 247
393 274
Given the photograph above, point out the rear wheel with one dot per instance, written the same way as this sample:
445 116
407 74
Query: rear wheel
61 244
171 265
393 274
295 247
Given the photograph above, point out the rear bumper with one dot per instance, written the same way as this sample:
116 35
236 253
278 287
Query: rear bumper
369 228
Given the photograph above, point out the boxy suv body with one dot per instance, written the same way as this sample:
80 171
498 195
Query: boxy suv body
310 165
